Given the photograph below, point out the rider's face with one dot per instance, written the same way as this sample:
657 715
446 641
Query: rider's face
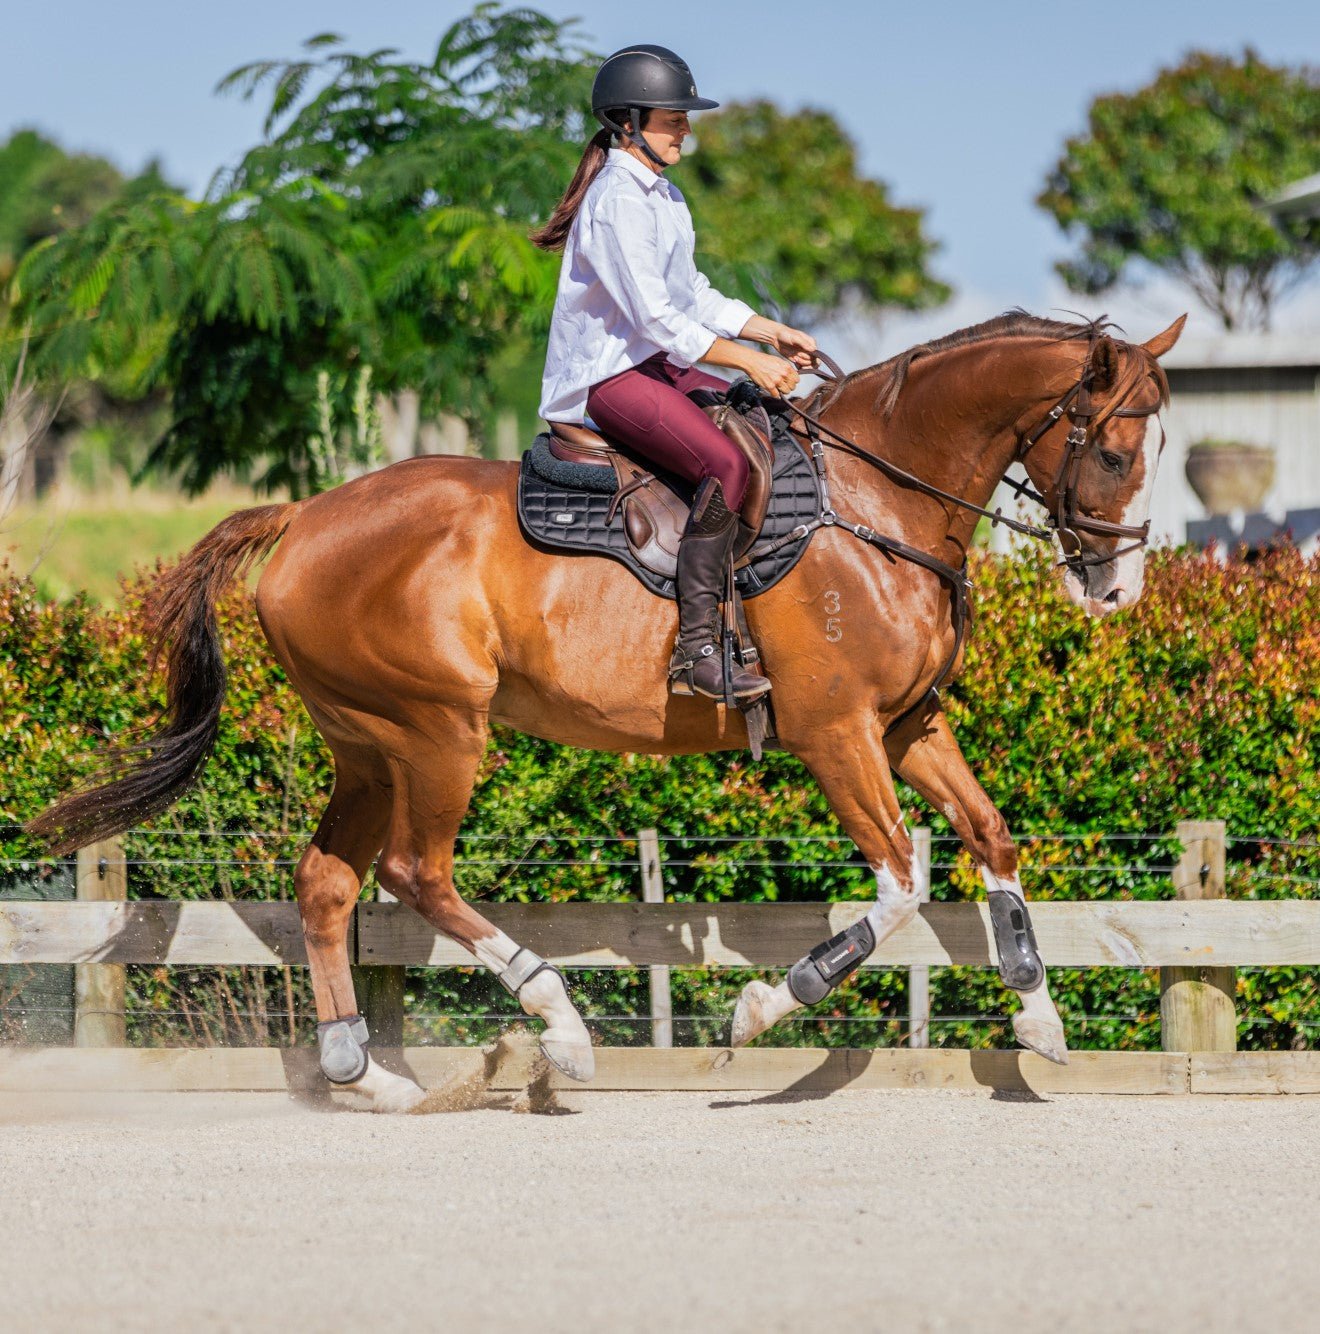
665 131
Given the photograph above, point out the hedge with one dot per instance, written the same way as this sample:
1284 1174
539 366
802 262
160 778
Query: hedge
1093 737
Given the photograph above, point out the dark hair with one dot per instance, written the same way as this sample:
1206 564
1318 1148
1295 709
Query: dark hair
555 232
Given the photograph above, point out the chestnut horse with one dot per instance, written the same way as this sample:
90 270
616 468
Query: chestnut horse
410 613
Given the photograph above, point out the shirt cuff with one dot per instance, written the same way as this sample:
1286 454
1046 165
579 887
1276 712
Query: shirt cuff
730 317
690 343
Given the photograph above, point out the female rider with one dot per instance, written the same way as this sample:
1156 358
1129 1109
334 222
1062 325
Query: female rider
633 315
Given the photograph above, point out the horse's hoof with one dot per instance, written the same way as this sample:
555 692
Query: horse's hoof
759 1008
1044 1038
388 1092
577 1060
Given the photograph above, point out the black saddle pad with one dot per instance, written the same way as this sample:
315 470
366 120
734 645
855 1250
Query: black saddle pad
562 517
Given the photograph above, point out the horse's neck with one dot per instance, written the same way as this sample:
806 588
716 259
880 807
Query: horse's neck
952 426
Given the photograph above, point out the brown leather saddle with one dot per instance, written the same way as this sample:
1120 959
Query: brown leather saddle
654 513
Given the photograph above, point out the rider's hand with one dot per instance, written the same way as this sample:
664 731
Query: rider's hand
797 346
775 375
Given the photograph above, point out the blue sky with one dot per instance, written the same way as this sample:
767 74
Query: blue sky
960 107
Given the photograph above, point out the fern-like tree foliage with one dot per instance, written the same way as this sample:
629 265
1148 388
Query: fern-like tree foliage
1174 176
374 242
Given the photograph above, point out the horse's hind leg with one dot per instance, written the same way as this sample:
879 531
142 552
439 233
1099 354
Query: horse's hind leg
432 790
327 881
926 755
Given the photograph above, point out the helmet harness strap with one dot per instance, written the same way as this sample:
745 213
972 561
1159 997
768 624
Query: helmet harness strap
635 135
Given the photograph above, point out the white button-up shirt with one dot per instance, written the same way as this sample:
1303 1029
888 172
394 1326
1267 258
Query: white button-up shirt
629 288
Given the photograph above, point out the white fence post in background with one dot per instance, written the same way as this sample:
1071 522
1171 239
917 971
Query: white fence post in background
919 975
653 891
99 988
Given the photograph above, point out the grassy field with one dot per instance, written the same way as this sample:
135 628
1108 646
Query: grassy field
66 545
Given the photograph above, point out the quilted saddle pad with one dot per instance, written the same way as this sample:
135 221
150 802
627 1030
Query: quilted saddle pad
560 517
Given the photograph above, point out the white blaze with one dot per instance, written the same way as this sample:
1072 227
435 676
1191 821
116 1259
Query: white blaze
1130 569
1111 587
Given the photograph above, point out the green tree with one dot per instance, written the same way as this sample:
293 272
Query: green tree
45 191
779 200
374 243
1174 175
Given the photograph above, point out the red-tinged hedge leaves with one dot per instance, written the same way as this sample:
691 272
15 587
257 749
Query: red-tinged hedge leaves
1200 702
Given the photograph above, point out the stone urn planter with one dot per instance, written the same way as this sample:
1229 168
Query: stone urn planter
1228 475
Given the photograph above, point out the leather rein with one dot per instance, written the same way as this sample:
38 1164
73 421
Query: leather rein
1065 522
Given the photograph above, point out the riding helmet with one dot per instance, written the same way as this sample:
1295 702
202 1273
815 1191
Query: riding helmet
645 77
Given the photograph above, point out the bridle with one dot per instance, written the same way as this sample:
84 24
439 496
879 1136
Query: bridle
1066 520
1063 519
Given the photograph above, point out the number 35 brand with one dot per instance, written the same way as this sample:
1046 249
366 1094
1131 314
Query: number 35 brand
833 621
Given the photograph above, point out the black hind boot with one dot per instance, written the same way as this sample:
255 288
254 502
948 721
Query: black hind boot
697 665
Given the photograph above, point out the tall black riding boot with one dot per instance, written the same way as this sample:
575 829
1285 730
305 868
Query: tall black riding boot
697 666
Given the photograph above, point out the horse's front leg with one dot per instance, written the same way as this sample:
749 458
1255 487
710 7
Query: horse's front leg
928 757
852 770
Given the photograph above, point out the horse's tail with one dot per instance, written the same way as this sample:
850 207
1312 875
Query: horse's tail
145 778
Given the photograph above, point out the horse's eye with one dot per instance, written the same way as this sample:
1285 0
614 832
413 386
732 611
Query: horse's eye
1112 461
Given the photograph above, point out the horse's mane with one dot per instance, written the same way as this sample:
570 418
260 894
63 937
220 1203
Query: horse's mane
1018 323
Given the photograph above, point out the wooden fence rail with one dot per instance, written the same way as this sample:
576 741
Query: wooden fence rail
681 935
1196 940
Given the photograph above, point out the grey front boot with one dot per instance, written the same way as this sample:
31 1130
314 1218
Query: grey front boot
697 664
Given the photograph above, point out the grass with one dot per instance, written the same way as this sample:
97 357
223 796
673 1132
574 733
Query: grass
67 545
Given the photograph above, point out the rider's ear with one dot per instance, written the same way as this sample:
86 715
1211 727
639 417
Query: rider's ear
1104 365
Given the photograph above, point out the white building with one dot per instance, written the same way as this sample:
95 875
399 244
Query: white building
1259 389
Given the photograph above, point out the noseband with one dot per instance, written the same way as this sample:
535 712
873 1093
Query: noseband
1066 520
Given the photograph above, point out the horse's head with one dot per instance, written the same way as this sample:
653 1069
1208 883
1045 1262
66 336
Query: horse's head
1093 459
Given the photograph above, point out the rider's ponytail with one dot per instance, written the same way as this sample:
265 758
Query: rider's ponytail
555 232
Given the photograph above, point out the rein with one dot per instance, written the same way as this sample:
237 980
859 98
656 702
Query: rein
1065 522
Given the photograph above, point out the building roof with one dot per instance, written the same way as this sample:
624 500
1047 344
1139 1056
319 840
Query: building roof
1301 197
1243 350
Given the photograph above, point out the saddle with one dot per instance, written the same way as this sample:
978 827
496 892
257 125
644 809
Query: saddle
579 492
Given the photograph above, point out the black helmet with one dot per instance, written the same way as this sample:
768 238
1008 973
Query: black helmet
645 76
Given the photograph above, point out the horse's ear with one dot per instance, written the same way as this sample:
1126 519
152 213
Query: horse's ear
1162 342
1104 365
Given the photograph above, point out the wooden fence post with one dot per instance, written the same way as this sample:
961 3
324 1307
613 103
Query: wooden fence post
653 891
1197 1005
380 990
98 988
919 975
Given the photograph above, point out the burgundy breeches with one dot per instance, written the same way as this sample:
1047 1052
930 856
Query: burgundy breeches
647 409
